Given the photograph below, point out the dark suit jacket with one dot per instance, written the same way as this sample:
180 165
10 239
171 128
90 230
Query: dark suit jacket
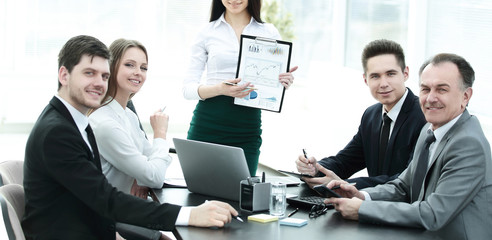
67 196
363 150
457 195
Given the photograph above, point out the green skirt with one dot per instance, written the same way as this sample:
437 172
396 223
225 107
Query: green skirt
219 120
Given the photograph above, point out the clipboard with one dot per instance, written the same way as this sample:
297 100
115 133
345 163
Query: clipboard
261 60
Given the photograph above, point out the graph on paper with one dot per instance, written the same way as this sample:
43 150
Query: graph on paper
261 61
262 72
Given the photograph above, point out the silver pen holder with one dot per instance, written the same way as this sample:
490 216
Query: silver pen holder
254 197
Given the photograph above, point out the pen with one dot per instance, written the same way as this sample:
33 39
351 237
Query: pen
263 177
293 212
229 83
305 154
235 84
238 218
338 186
164 108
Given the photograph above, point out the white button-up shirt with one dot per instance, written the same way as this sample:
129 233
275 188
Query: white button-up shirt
125 152
395 111
217 47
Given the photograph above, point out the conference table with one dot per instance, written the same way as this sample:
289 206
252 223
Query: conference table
328 226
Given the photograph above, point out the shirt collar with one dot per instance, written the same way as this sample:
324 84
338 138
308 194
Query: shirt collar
120 111
220 20
80 119
393 113
441 131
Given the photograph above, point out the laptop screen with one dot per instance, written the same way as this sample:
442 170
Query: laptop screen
212 169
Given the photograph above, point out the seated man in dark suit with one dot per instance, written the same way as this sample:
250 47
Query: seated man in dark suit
67 196
388 130
448 185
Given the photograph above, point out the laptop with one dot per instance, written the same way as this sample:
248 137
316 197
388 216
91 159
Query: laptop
215 169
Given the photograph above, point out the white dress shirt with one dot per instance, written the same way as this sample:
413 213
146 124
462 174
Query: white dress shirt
217 47
395 111
125 152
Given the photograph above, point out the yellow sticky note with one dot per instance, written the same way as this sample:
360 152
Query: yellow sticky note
263 218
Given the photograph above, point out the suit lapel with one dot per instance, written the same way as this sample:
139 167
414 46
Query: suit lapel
60 107
402 117
375 125
465 116
444 141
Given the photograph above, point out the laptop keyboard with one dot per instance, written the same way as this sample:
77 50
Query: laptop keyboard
313 199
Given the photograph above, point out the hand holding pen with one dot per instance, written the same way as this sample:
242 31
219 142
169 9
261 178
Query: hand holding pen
306 165
249 87
232 88
234 216
159 122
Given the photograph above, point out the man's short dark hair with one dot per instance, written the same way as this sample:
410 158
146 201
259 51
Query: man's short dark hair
380 47
465 69
76 47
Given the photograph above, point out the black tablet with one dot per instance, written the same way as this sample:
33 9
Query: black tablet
298 175
325 192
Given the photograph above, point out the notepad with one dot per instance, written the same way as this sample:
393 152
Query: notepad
263 218
296 222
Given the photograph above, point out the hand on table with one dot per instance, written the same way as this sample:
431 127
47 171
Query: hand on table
212 214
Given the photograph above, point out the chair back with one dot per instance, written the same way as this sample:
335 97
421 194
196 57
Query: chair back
12 208
11 171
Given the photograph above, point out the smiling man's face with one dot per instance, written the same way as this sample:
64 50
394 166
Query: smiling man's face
385 79
442 95
85 87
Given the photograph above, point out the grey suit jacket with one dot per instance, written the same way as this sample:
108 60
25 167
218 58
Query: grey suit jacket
457 195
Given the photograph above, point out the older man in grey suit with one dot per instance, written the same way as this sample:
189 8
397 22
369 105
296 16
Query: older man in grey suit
448 187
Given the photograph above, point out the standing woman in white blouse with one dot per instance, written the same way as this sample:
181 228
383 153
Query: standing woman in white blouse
216 119
129 161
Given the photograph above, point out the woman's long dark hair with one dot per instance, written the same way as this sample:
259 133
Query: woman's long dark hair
254 7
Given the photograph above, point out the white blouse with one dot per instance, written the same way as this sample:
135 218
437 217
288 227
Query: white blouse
125 152
217 47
